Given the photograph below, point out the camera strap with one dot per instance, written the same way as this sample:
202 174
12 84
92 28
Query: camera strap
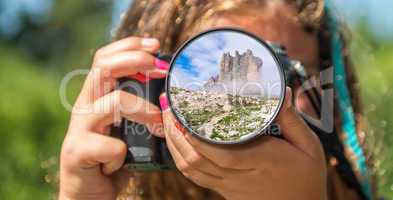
351 141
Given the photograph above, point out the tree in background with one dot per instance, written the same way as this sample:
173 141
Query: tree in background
35 53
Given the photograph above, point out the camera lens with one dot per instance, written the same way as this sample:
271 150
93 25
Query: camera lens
225 86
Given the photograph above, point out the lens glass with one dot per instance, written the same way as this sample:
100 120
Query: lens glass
225 86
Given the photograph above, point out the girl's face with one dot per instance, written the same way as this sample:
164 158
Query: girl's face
278 23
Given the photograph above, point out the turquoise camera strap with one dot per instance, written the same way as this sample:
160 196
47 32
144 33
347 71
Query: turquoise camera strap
348 117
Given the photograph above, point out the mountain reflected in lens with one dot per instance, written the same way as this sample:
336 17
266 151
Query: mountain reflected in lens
225 86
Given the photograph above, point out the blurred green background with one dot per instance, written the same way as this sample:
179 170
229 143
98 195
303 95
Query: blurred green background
42 40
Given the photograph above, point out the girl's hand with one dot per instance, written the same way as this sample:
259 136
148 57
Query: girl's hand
268 168
89 155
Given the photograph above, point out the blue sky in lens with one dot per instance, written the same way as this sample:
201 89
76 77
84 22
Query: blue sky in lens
200 59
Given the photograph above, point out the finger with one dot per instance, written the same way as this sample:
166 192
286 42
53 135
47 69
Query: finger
131 43
295 130
186 151
107 70
203 180
93 150
119 104
156 128
198 177
129 62
240 158
192 153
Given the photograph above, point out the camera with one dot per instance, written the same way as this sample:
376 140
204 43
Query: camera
230 102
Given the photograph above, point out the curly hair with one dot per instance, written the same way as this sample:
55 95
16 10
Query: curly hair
167 19
172 22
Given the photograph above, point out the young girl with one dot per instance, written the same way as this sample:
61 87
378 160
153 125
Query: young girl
296 167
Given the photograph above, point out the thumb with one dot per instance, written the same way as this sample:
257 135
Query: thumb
295 129
167 115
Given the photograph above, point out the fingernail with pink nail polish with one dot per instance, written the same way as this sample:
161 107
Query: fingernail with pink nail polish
164 102
160 64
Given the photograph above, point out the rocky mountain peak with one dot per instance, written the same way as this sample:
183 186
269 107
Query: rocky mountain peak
240 69
243 66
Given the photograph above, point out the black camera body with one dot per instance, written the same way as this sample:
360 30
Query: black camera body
147 152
